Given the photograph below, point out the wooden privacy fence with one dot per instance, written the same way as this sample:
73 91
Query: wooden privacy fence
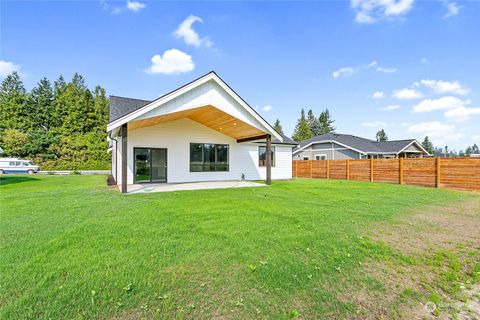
456 173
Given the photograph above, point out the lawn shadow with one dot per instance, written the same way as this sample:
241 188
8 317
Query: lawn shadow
4 180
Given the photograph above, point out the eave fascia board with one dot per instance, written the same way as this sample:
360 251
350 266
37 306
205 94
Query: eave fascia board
329 141
418 145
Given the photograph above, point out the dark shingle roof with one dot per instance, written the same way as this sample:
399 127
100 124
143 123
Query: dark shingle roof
287 140
393 146
121 106
359 143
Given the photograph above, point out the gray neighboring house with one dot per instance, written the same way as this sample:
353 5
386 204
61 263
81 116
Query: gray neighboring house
336 146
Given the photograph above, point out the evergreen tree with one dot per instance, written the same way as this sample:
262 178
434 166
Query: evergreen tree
302 130
58 128
42 105
278 127
381 136
13 104
313 122
325 122
428 145
468 151
475 149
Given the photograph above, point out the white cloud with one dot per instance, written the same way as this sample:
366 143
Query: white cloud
441 87
452 9
390 107
371 11
348 71
343 72
406 94
378 94
461 113
477 137
135 6
444 103
267 108
440 133
375 124
190 36
386 70
172 61
7 67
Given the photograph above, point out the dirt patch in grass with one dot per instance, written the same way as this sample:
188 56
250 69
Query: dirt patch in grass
434 251
433 228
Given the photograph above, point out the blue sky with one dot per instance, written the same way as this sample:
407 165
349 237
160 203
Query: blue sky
410 67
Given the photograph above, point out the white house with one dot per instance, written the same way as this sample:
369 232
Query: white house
202 131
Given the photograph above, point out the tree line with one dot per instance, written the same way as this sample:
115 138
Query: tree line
309 125
60 126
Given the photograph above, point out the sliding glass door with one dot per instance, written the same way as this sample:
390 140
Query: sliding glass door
150 165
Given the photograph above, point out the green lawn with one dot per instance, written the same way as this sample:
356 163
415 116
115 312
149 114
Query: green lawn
73 248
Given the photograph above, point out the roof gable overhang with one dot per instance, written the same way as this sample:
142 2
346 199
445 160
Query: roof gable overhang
328 141
208 90
417 144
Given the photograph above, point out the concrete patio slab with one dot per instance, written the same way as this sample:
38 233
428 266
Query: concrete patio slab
168 187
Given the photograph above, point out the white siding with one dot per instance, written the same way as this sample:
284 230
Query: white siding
114 155
177 135
209 93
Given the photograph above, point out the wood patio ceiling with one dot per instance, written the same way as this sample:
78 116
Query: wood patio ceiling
210 117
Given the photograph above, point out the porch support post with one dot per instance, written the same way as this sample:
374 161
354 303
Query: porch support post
124 157
268 160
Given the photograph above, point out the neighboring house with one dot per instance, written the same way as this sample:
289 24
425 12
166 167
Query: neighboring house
335 146
202 131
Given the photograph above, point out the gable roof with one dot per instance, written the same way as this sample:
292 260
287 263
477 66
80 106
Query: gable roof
121 106
126 109
360 144
288 140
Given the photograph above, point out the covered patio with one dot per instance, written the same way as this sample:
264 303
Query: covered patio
169 187
202 135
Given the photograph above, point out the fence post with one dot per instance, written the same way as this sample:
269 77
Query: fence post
401 169
348 169
296 168
328 169
437 183
311 162
371 170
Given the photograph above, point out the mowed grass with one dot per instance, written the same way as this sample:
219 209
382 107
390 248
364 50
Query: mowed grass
73 248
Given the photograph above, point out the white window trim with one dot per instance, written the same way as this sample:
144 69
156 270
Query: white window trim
308 158
320 155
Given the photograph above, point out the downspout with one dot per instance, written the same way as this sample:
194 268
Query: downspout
116 150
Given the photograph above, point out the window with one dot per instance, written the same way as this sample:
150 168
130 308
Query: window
306 158
208 157
262 151
320 157
18 164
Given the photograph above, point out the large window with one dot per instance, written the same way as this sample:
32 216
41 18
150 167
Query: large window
208 157
262 152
